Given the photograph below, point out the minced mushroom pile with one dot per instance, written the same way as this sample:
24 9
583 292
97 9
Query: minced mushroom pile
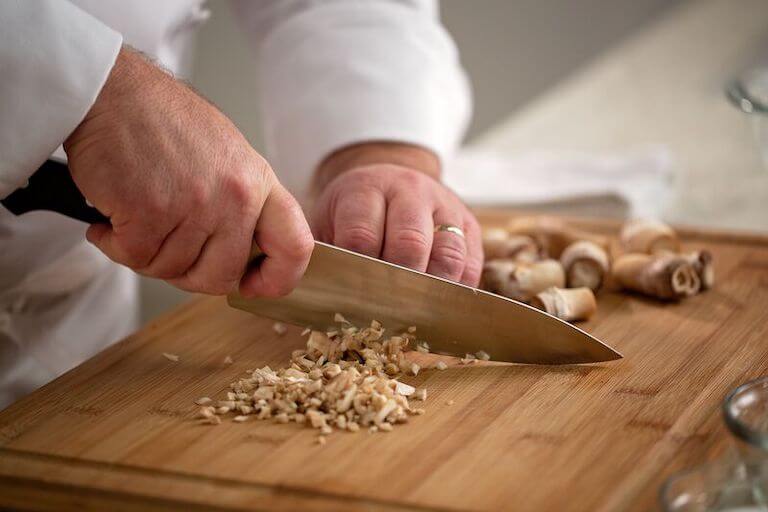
345 379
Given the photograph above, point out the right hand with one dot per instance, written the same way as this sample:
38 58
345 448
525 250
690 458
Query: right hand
185 193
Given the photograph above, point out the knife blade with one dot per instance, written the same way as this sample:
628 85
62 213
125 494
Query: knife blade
455 319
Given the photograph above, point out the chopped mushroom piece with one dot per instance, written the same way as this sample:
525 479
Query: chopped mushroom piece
171 357
203 400
420 394
206 412
279 328
440 365
482 355
347 380
450 402
228 360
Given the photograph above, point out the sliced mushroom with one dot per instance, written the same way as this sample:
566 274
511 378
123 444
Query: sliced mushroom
498 243
702 263
585 264
552 235
520 280
569 304
648 236
664 276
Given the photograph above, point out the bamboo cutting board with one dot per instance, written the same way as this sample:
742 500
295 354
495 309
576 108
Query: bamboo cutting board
117 432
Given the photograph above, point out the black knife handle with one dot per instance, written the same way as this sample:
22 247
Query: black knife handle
51 188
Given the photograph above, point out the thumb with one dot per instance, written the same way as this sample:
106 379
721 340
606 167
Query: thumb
283 234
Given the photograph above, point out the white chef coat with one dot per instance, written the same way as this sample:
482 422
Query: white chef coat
332 72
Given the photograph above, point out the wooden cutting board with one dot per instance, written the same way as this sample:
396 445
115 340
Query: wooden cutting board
117 432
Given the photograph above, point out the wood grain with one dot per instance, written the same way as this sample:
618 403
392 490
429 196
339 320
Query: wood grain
117 432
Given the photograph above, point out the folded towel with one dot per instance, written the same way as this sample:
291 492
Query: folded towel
641 177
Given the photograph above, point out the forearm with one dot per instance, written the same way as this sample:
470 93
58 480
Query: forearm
342 73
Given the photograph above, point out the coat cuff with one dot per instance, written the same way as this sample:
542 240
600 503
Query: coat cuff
345 73
55 59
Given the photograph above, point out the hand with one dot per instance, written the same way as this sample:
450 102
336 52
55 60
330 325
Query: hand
185 193
389 211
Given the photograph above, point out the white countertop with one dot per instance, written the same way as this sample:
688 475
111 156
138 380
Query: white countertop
664 85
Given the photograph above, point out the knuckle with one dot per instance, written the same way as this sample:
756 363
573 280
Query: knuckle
198 196
359 238
154 205
449 257
240 189
411 240
300 249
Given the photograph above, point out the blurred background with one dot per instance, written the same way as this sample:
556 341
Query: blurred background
628 94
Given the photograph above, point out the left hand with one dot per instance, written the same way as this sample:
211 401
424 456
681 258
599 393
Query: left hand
385 199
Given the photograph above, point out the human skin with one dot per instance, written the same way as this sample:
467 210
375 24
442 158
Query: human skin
383 199
185 193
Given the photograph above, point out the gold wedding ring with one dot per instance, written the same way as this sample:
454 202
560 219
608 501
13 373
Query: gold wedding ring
450 229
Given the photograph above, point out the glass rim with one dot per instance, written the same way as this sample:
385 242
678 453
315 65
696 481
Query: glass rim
739 428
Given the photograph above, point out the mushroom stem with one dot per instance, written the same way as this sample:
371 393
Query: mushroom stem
497 243
520 280
702 264
570 304
552 235
648 236
664 276
585 264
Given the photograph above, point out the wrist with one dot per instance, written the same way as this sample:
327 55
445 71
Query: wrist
123 82
371 153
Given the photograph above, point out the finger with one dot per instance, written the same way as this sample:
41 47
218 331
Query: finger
358 221
133 244
474 260
220 265
179 252
283 235
449 250
408 232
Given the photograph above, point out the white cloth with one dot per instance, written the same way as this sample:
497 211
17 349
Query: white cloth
640 177
334 73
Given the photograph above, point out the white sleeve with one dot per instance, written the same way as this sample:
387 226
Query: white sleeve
54 59
338 72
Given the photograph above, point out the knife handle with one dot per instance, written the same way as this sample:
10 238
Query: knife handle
51 188
256 254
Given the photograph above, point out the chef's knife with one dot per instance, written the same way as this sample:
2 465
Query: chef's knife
51 188
454 319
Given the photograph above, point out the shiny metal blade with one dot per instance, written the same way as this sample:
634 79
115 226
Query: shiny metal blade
454 319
